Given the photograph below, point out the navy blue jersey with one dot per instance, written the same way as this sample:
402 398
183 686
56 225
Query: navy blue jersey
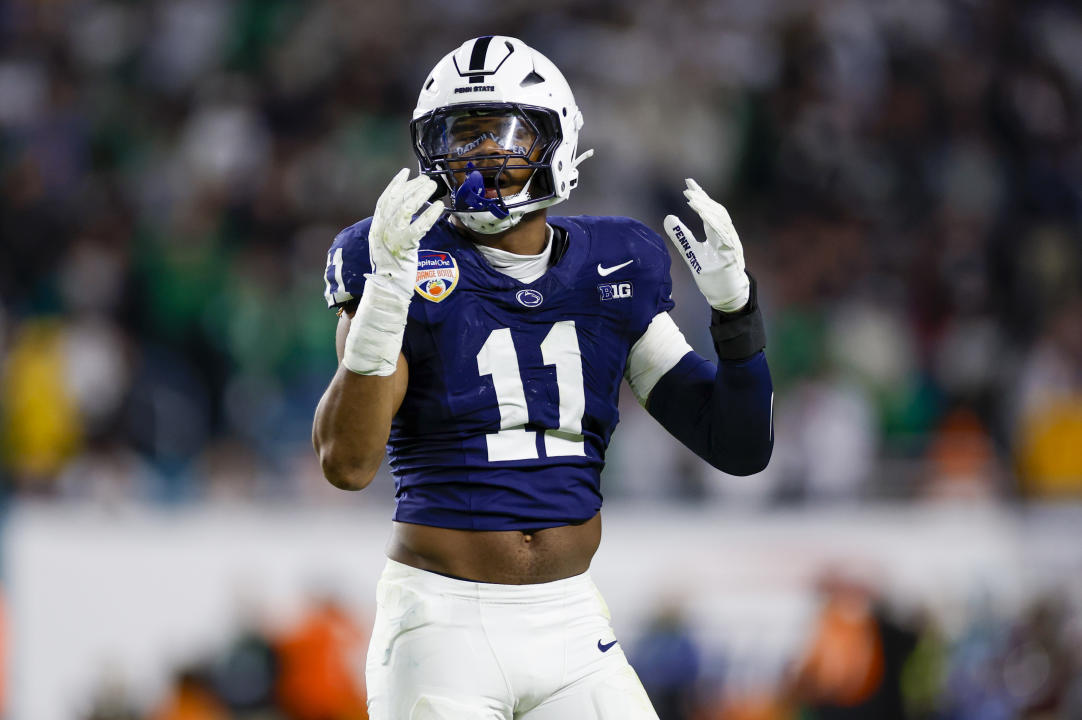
513 387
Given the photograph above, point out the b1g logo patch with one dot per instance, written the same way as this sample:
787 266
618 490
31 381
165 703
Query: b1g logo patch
437 274
614 291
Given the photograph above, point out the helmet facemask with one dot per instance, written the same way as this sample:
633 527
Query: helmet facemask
495 159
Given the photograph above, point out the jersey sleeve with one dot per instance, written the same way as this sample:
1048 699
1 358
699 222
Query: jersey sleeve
656 343
656 352
347 263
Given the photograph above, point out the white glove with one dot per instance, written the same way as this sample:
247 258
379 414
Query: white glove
393 239
718 263
374 340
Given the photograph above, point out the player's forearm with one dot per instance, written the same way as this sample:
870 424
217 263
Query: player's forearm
353 418
722 413
351 427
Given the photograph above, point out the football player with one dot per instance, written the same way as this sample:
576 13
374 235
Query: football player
482 346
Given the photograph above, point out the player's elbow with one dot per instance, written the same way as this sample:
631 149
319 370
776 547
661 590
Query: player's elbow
745 461
346 477
348 473
744 467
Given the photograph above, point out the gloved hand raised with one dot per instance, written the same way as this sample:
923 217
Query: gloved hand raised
717 263
374 340
395 236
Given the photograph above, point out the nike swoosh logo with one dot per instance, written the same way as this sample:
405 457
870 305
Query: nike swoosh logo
605 647
603 271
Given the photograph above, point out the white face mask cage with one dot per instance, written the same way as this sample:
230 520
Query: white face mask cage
480 151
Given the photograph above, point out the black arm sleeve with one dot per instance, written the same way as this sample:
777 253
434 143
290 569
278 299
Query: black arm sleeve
723 413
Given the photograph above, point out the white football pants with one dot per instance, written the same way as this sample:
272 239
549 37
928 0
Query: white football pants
446 649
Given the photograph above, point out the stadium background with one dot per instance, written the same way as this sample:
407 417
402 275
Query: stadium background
905 176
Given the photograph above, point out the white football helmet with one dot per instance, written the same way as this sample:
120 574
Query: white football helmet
496 114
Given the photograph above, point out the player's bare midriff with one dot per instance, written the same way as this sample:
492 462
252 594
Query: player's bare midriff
506 557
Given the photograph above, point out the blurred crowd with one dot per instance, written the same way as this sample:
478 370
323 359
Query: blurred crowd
311 669
905 174
862 660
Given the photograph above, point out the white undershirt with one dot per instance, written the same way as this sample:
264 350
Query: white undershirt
524 268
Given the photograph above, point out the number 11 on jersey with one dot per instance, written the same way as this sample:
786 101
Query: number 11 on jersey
513 441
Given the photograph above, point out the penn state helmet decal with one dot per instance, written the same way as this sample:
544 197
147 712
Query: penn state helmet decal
437 274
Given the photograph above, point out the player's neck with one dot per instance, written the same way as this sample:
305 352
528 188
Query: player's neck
528 237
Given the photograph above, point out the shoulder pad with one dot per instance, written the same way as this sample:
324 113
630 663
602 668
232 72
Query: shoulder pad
620 241
347 263
620 237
